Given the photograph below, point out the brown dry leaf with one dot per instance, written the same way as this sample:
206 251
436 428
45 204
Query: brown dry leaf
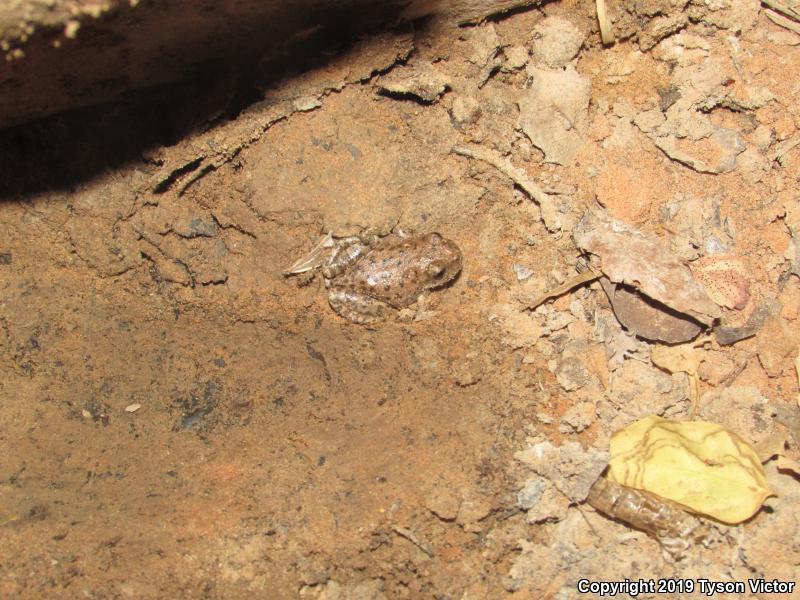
629 257
642 317
727 335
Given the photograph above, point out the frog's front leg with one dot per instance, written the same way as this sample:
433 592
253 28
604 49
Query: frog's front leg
403 233
357 307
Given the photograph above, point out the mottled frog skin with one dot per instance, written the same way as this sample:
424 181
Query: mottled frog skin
370 281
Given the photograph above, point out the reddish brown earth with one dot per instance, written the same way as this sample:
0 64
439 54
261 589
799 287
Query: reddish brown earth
280 451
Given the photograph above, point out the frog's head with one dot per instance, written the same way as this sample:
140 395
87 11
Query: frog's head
442 261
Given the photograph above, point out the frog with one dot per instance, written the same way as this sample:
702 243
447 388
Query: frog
372 278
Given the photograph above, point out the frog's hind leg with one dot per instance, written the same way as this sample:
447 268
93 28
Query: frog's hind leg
319 255
346 252
358 308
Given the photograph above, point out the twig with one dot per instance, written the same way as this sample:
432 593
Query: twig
797 368
606 32
789 11
568 285
783 21
520 178
409 535
786 145
787 16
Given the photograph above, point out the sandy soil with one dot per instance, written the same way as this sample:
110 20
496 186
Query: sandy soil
179 419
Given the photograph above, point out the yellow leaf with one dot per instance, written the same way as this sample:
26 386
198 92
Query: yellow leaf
702 466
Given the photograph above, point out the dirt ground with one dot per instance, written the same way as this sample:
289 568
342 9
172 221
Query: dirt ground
180 420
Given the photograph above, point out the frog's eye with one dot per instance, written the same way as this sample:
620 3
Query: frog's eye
436 271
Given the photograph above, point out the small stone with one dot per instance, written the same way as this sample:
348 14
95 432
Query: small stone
71 29
776 347
715 153
572 374
554 112
132 408
529 496
626 194
522 272
650 120
421 81
552 506
763 136
733 15
306 103
556 41
444 504
661 27
713 246
473 510
667 96
516 58
557 320
192 225
570 468
743 410
466 373
715 368
639 389
578 418
466 110
783 38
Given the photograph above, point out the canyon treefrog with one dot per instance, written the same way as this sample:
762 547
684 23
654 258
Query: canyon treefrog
369 281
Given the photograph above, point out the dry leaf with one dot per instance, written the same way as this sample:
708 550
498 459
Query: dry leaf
629 257
643 317
702 466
